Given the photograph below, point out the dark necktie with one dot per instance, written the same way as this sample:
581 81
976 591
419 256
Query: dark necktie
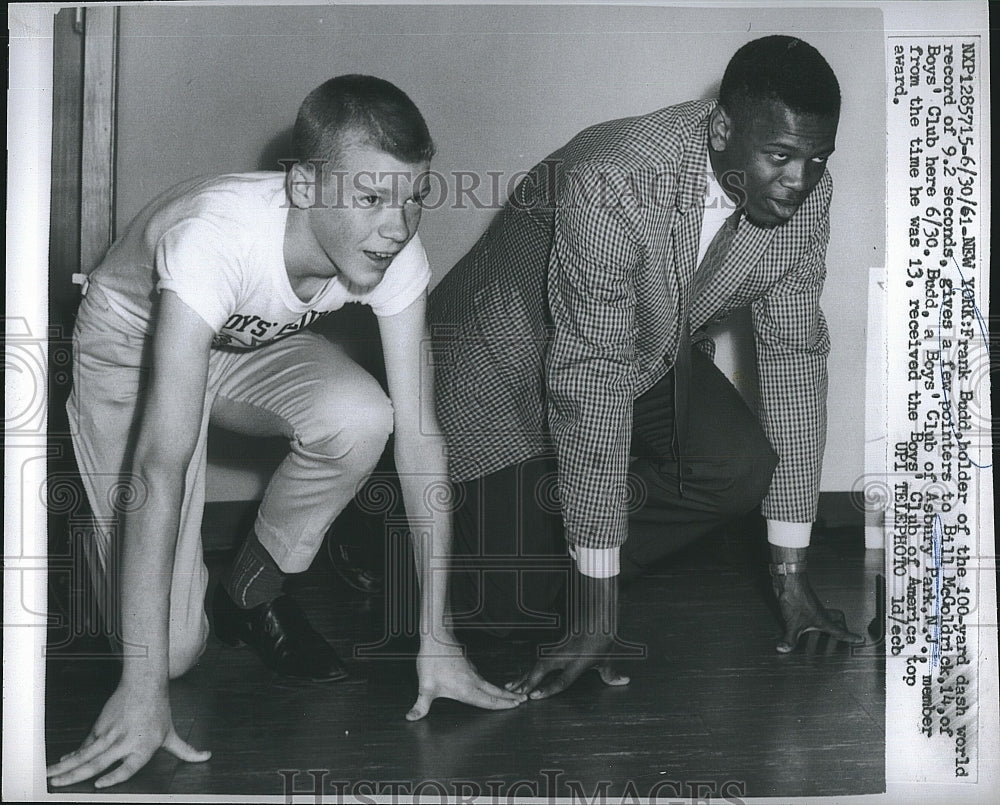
709 266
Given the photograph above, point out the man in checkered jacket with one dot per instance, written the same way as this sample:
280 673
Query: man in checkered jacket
576 411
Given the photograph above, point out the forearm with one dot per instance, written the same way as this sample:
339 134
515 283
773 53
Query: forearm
591 431
793 342
421 460
795 425
422 468
148 542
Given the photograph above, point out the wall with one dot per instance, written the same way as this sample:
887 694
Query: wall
214 89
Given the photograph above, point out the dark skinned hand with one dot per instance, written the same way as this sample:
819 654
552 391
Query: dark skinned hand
591 643
801 609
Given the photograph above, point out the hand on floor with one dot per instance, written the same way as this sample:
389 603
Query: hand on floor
558 670
131 727
802 612
443 672
591 643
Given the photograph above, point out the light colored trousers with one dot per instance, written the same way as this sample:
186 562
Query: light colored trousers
305 388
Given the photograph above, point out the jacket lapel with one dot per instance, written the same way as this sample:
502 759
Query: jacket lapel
686 228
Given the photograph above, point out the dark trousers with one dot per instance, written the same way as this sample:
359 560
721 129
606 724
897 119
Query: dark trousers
509 550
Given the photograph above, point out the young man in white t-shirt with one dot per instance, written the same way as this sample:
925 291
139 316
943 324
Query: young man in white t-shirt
198 314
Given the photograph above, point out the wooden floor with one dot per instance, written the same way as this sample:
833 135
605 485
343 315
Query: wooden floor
711 705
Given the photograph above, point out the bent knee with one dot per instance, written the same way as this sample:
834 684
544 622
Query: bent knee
366 424
357 424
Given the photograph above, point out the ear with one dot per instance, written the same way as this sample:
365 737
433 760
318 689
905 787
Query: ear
720 129
300 185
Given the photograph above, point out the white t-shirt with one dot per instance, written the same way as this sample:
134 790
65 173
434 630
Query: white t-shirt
218 244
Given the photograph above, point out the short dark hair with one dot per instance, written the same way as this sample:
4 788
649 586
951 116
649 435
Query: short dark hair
779 68
363 105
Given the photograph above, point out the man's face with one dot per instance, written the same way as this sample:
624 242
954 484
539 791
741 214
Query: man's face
372 210
773 160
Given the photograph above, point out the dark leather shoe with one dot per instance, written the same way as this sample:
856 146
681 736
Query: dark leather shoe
355 545
279 633
351 569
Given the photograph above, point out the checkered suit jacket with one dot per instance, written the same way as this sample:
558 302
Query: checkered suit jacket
567 309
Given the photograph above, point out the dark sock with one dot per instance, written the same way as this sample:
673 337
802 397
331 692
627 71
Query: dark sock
254 578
